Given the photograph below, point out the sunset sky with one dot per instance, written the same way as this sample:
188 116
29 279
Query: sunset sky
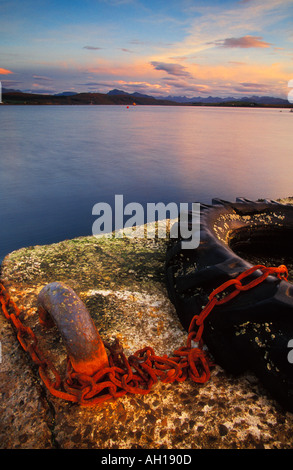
158 47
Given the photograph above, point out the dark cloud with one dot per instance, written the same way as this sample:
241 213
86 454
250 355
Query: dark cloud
94 84
92 48
191 88
40 78
259 86
185 85
172 69
169 79
10 83
126 50
242 42
252 87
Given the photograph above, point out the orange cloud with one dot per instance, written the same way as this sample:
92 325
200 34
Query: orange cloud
172 69
243 42
272 78
4 71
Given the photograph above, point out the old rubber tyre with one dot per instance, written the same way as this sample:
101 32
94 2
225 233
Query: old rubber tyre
252 331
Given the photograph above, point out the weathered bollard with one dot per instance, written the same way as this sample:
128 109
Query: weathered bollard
60 305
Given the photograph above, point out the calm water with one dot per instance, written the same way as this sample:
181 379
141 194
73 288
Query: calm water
57 162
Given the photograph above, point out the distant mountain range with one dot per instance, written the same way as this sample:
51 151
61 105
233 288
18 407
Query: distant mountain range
122 97
210 99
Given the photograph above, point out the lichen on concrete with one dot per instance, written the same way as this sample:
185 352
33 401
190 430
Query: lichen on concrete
121 281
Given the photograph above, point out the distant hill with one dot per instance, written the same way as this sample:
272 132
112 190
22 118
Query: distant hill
116 92
120 97
8 90
16 97
66 93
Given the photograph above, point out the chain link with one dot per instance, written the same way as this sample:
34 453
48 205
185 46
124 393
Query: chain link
138 373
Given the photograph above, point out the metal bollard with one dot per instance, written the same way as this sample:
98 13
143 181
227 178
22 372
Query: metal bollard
60 305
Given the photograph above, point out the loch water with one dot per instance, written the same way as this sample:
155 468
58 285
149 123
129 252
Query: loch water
57 162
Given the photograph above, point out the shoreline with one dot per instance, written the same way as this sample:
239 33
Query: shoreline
21 98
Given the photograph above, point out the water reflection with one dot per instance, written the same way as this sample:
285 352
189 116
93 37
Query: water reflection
57 162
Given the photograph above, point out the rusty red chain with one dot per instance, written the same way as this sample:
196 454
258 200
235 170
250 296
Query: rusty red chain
139 372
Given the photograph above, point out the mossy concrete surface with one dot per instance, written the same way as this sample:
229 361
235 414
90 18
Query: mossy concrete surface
121 281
